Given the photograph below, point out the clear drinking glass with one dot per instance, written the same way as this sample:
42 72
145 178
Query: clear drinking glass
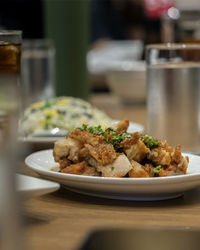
38 70
10 55
173 94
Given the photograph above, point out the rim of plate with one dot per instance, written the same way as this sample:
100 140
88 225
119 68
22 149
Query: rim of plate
92 179
39 139
46 184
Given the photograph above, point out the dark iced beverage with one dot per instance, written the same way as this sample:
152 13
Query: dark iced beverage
10 54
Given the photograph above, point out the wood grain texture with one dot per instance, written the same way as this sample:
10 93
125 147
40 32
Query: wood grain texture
63 219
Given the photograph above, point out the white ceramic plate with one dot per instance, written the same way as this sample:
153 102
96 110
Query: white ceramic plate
119 188
133 127
30 187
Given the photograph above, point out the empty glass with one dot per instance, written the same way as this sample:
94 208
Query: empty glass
38 70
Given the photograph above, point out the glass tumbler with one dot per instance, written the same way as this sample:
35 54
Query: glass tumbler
10 55
38 70
173 94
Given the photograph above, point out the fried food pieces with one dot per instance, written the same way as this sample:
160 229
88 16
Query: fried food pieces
115 153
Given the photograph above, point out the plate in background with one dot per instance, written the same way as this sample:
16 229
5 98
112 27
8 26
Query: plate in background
30 187
143 189
49 139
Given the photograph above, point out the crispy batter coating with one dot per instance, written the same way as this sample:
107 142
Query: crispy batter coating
159 156
103 153
137 170
128 142
174 169
149 169
84 137
94 146
64 162
80 168
176 155
66 147
134 148
86 153
172 160
122 125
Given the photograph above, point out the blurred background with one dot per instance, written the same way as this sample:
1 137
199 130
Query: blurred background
85 48
98 45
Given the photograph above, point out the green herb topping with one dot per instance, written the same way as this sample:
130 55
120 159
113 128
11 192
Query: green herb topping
109 135
149 141
157 169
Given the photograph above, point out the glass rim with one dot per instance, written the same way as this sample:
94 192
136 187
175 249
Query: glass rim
173 46
10 32
38 42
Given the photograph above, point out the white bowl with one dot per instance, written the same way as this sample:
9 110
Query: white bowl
128 81
99 60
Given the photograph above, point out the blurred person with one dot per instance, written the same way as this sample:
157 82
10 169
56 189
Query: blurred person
116 20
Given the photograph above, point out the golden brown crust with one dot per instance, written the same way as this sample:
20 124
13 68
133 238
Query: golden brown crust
137 171
137 152
80 168
85 137
159 156
122 125
103 153
64 162
149 169
128 142
85 153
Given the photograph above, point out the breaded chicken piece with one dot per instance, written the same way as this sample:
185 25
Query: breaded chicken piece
134 148
159 156
84 155
64 162
96 150
103 153
119 168
96 154
122 125
149 169
66 148
162 154
174 169
60 149
172 160
183 164
80 168
137 170
84 137
165 146
176 155
178 164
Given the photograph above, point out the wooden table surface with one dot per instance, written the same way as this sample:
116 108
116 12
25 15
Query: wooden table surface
63 219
